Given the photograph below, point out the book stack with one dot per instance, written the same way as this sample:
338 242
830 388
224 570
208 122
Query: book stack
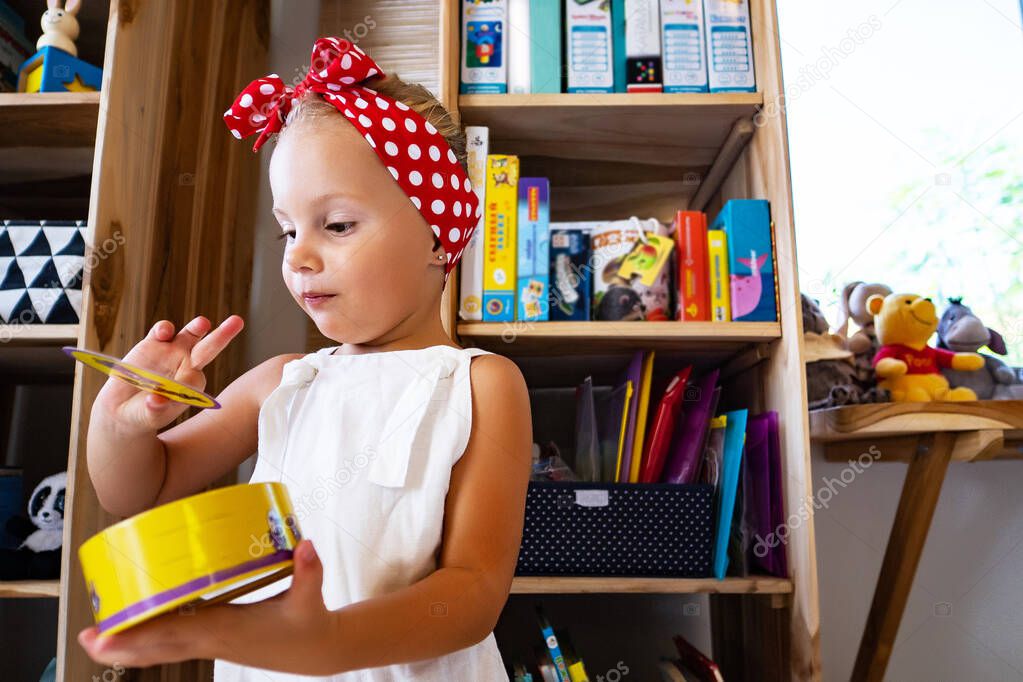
522 266
604 46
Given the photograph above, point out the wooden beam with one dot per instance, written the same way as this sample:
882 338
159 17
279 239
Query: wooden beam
170 221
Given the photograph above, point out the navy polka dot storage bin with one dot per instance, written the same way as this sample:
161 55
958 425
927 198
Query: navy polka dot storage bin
625 529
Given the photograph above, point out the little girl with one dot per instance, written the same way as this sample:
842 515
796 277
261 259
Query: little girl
407 472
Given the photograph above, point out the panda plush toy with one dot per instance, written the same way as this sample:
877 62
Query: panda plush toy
38 556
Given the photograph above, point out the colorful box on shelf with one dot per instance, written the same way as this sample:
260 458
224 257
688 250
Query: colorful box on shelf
54 70
202 549
41 267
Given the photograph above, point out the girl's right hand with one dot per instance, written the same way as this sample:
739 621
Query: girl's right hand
180 357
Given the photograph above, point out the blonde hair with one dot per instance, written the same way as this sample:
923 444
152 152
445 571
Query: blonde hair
311 107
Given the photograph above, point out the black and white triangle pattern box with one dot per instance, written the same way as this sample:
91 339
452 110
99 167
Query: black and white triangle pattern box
41 267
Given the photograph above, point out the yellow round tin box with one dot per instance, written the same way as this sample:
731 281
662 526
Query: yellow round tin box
198 550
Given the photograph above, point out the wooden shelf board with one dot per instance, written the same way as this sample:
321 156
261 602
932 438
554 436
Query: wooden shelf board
878 420
580 337
48 119
615 155
38 334
625 585
29 588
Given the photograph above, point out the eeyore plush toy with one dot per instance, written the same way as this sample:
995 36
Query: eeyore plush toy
961 331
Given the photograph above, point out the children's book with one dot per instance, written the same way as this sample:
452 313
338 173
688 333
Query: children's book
545 38
499 238
693 660
687 447
470 279
735 437
693 277
519 47
484 62
533 264
641 417
717 259
665 418
746 224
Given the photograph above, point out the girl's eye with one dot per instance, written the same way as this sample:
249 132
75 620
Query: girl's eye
288 233
341 228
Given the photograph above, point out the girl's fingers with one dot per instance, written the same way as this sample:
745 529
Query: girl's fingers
193 332
161 331
207 349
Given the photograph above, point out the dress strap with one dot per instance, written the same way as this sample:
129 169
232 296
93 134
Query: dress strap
273 422
398 436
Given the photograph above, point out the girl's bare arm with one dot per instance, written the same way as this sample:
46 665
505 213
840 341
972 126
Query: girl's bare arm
131 464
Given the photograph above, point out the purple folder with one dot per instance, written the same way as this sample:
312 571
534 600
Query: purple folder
686 452
757 488
780 560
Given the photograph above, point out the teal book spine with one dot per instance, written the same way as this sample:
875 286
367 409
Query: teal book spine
545 31
618 44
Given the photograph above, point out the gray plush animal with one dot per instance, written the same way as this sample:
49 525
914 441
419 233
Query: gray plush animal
961 331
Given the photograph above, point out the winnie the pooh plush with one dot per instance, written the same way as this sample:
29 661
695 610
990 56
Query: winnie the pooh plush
905 365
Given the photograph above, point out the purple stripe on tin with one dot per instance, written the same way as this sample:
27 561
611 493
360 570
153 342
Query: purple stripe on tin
192 585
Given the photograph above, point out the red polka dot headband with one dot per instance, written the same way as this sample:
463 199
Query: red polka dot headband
416 155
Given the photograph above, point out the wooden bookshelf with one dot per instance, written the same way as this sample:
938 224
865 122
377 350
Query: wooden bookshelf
611 156
48 119
655 149
38 334
581 337
611 585
655 128
29 589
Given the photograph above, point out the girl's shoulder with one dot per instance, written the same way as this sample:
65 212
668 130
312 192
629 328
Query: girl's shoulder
266 376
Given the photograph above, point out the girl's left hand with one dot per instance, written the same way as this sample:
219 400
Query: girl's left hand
284 632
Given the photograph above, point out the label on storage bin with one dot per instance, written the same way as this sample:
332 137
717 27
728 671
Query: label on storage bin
591 498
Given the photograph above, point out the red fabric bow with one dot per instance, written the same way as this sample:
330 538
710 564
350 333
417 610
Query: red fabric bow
416 155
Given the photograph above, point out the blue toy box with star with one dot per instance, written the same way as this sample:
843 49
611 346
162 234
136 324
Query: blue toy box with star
54 70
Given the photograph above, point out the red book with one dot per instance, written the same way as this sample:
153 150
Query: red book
702 668
693 277
663 428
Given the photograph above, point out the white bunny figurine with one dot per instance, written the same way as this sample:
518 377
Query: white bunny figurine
60 27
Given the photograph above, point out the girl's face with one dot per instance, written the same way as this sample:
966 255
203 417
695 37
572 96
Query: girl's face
351 234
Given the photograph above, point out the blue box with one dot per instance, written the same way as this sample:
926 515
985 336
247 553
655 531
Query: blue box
747 226
533 249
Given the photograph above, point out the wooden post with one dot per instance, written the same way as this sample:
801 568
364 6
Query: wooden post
170 219
905 545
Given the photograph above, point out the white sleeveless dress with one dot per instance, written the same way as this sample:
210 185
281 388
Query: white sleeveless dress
365 444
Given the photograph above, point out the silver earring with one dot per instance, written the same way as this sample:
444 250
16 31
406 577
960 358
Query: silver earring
440 256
